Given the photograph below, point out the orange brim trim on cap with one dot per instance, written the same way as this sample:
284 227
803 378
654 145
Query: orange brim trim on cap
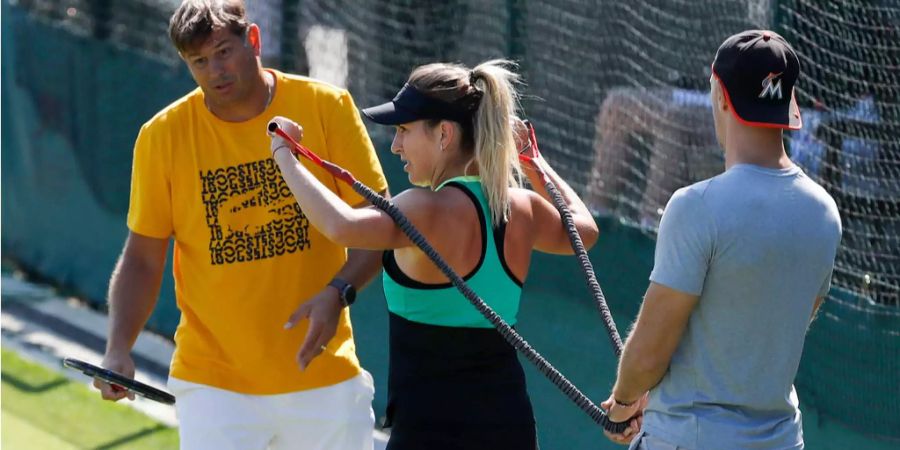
794 119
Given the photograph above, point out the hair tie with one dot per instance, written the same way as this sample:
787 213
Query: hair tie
473 98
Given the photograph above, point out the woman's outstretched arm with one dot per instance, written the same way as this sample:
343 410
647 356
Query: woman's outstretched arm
365 228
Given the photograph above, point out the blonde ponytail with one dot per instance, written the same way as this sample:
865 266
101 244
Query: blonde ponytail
495 148
489 91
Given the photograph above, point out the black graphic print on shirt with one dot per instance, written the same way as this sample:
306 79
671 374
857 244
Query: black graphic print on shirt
251 213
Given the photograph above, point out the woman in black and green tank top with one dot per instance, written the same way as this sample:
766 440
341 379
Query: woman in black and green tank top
454 383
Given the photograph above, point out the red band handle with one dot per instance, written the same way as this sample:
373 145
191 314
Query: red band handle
298 149
535 152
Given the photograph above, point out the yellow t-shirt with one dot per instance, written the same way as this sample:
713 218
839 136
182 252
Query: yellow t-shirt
245 255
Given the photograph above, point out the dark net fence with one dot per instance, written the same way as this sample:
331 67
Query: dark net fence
619 95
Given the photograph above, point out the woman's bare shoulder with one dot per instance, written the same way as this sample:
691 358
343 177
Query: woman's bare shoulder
521 198
442 200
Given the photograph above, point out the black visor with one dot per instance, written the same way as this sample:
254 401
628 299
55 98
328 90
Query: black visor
411 105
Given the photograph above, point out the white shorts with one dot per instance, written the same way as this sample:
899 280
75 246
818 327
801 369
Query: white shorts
334 417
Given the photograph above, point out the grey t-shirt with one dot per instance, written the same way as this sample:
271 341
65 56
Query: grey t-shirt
757 246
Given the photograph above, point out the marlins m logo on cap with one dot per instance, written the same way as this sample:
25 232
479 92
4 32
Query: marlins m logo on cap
771 86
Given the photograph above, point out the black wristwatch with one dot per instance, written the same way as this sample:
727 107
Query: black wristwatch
346 291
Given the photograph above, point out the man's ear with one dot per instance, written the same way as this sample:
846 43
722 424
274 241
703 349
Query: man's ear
253 38
720 96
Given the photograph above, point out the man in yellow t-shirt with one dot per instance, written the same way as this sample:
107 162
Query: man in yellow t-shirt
245 255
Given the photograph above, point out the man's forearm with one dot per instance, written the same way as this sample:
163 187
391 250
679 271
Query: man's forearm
133 290
361 267
635 378
657 332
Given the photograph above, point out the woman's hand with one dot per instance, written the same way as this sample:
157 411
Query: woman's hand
290 127
526 143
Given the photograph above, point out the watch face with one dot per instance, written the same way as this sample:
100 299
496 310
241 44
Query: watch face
346 290
349 293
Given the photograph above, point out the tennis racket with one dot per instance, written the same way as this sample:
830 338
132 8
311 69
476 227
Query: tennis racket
119 380
506 331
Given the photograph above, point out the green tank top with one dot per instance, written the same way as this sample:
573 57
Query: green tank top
442 304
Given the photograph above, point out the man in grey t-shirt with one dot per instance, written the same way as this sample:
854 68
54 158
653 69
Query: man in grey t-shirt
743 261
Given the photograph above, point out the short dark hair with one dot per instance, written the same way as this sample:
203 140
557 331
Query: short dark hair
195 20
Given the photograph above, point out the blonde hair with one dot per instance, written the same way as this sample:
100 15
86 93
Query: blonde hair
489 91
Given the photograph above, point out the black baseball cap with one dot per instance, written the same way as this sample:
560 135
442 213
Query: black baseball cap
410 105
757 70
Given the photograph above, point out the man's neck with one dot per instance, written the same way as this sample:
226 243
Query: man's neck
760 147
253 105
